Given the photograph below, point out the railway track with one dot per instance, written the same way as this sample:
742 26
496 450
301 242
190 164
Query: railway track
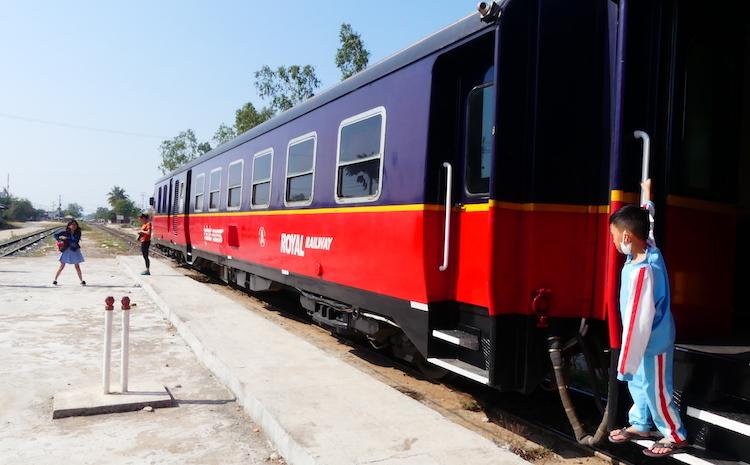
17 244
129 238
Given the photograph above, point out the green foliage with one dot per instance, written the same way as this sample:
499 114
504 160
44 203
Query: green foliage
117 193
103 214
287 86
181 149
247 117
352 57
20 210
126 208
224 134
73 210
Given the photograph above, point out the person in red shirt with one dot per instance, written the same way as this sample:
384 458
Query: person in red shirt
144 237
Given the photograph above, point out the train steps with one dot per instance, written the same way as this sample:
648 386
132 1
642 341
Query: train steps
712 387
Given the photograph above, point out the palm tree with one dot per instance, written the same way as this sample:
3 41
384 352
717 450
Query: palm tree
117 193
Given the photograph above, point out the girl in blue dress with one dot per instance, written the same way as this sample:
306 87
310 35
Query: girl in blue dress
71 255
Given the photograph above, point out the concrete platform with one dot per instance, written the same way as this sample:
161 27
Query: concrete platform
91 400
314 408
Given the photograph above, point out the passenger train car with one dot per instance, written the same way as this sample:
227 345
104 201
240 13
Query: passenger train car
452 201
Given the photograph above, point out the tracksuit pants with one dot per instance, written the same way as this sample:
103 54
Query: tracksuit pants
653 403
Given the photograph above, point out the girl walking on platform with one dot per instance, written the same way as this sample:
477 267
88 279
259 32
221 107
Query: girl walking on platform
71 249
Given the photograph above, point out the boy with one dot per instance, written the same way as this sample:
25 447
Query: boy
144 237
648 332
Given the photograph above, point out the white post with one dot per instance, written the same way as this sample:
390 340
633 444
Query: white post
107 343
125 343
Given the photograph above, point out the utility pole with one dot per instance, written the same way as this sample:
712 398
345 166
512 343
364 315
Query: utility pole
143 201
59 206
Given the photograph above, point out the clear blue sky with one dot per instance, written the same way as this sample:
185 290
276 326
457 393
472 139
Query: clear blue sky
139 72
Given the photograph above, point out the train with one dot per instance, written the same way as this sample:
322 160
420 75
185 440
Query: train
451 202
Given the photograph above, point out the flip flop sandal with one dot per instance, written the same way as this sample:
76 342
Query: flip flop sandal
672 448
626 435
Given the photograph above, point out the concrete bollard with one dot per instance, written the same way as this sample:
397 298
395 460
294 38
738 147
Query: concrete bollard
125 343
108 307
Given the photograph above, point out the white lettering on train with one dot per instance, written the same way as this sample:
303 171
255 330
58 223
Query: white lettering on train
213 235
296 244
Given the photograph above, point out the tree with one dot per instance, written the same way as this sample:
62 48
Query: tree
126 208
102 213
224 134
352 57
181 149
117 193
286 87
74 210
21 210
247 117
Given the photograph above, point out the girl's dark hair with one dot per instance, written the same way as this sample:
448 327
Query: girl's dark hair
634 219
78 228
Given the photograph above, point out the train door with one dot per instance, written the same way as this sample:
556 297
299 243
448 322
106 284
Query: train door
461 143
186 209
687 95
169 205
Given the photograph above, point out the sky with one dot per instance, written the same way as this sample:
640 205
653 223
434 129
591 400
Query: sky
88 90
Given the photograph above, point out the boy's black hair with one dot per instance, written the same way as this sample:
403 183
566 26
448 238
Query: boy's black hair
634 219
144 216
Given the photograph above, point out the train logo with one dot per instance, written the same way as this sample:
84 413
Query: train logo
262 236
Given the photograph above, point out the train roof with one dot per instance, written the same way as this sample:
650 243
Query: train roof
439 40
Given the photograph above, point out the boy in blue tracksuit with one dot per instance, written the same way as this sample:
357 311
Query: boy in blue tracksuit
648 332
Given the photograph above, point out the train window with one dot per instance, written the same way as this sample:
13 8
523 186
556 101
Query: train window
234 185
199 187
359 160
261 189
300 169
158 201
182 197
479 134
214 189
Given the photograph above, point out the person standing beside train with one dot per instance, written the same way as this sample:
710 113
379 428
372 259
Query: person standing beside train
144 237
647 353
70 240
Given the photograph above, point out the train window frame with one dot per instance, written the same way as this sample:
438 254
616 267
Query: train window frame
211 191
240 162
199 180
377 111
467 192
299 140
254 182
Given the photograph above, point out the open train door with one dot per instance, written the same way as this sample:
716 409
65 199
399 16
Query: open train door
461 139
685 107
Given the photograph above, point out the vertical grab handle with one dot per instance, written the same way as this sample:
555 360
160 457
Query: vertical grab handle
448 204
646 155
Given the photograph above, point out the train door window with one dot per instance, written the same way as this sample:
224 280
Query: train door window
234 185
261 189
182 197
158 200
360 154
479 133
300 170
198 188
214 189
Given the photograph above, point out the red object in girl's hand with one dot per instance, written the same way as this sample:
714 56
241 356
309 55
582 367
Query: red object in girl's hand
62 245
